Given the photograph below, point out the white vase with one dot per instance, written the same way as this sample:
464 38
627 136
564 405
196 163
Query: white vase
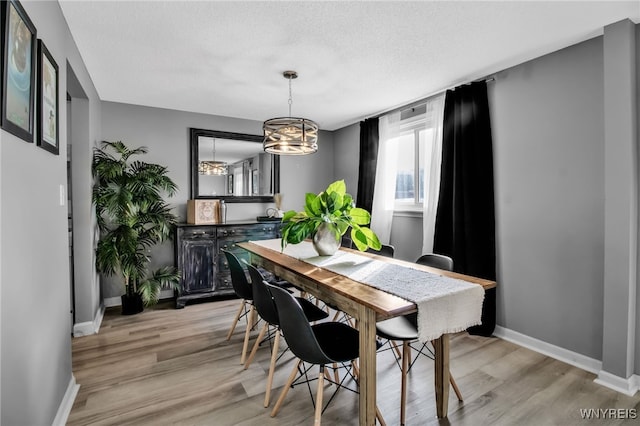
326 241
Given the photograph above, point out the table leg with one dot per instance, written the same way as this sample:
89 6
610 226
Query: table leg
367 328
441 365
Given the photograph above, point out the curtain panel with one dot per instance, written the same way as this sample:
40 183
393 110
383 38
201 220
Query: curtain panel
369 140
465 218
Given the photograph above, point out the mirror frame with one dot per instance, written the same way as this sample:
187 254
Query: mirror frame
196 133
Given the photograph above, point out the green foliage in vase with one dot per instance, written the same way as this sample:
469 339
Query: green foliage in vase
336 208
132 217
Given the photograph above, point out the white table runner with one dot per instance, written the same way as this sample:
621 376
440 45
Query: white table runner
445 305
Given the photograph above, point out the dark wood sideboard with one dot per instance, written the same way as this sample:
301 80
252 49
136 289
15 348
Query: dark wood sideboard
199 257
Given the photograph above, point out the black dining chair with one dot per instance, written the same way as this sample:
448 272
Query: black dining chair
264 304
321 344
386 250
405 330
244 291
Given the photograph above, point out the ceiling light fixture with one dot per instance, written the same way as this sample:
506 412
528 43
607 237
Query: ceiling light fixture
290 135
213 168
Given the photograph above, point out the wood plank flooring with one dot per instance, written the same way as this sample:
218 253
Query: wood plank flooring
174 367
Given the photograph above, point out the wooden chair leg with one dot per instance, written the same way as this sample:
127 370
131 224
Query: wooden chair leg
272 367
406 354
319 393
245 345
252 355
236 319
394 345
285 389
379 417
455 387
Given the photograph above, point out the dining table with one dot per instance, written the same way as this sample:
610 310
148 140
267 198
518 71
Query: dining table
336 281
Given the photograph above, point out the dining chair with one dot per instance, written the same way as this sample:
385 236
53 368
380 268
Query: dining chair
321 344
405 330
386 250
264 304
244 291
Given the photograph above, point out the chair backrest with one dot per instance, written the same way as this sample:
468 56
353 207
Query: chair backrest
238 277
346 242
439 261
296 328
386 250
262 298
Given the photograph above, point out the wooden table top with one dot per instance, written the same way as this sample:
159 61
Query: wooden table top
322 281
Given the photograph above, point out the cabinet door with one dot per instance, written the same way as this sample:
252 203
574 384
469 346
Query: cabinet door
197 265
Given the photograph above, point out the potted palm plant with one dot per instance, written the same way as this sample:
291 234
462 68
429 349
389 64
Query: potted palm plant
327 216
132 217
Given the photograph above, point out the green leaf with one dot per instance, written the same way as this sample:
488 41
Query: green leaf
310 203
364 238
288 215
360 216
338 187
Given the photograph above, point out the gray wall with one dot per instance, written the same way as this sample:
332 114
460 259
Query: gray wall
166 134
35 329
547 122
549 145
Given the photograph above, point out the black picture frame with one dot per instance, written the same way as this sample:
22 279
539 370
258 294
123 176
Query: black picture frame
195 134
18 71
48 106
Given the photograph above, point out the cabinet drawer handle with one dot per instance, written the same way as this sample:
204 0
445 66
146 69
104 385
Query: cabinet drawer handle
198 233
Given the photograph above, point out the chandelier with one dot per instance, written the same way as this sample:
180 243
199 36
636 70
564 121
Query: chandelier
213 168
290 135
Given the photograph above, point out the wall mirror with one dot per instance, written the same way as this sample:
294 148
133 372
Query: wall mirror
233 167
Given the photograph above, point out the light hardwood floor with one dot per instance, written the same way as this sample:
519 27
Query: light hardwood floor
167 366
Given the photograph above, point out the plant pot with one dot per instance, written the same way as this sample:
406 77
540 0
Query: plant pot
131 304
326 241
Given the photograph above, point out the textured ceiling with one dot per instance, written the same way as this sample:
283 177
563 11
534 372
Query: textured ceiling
354 59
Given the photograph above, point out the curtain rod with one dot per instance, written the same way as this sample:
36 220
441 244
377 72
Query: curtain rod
421 101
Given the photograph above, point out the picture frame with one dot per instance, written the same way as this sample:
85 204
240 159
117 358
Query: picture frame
18 71
254 181
48 107
230 184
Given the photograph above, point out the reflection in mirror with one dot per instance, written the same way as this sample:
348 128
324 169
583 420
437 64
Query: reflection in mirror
232 166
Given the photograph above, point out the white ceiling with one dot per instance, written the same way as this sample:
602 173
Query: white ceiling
354 59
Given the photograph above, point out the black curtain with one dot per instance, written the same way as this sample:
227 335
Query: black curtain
369 140
465 219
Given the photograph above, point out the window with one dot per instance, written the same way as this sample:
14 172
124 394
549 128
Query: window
413 148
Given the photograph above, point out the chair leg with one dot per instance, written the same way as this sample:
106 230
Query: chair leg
379 417
395 348
403 387
285 389
272 367
236 319
319 394
252 355
245 345
455 387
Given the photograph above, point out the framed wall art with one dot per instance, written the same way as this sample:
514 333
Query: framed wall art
47 109
18 76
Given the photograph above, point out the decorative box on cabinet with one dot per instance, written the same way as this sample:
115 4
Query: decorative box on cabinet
199 258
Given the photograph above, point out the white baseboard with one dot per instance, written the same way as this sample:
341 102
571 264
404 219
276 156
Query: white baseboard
112 301
556 352
89 327
626 386
67 403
